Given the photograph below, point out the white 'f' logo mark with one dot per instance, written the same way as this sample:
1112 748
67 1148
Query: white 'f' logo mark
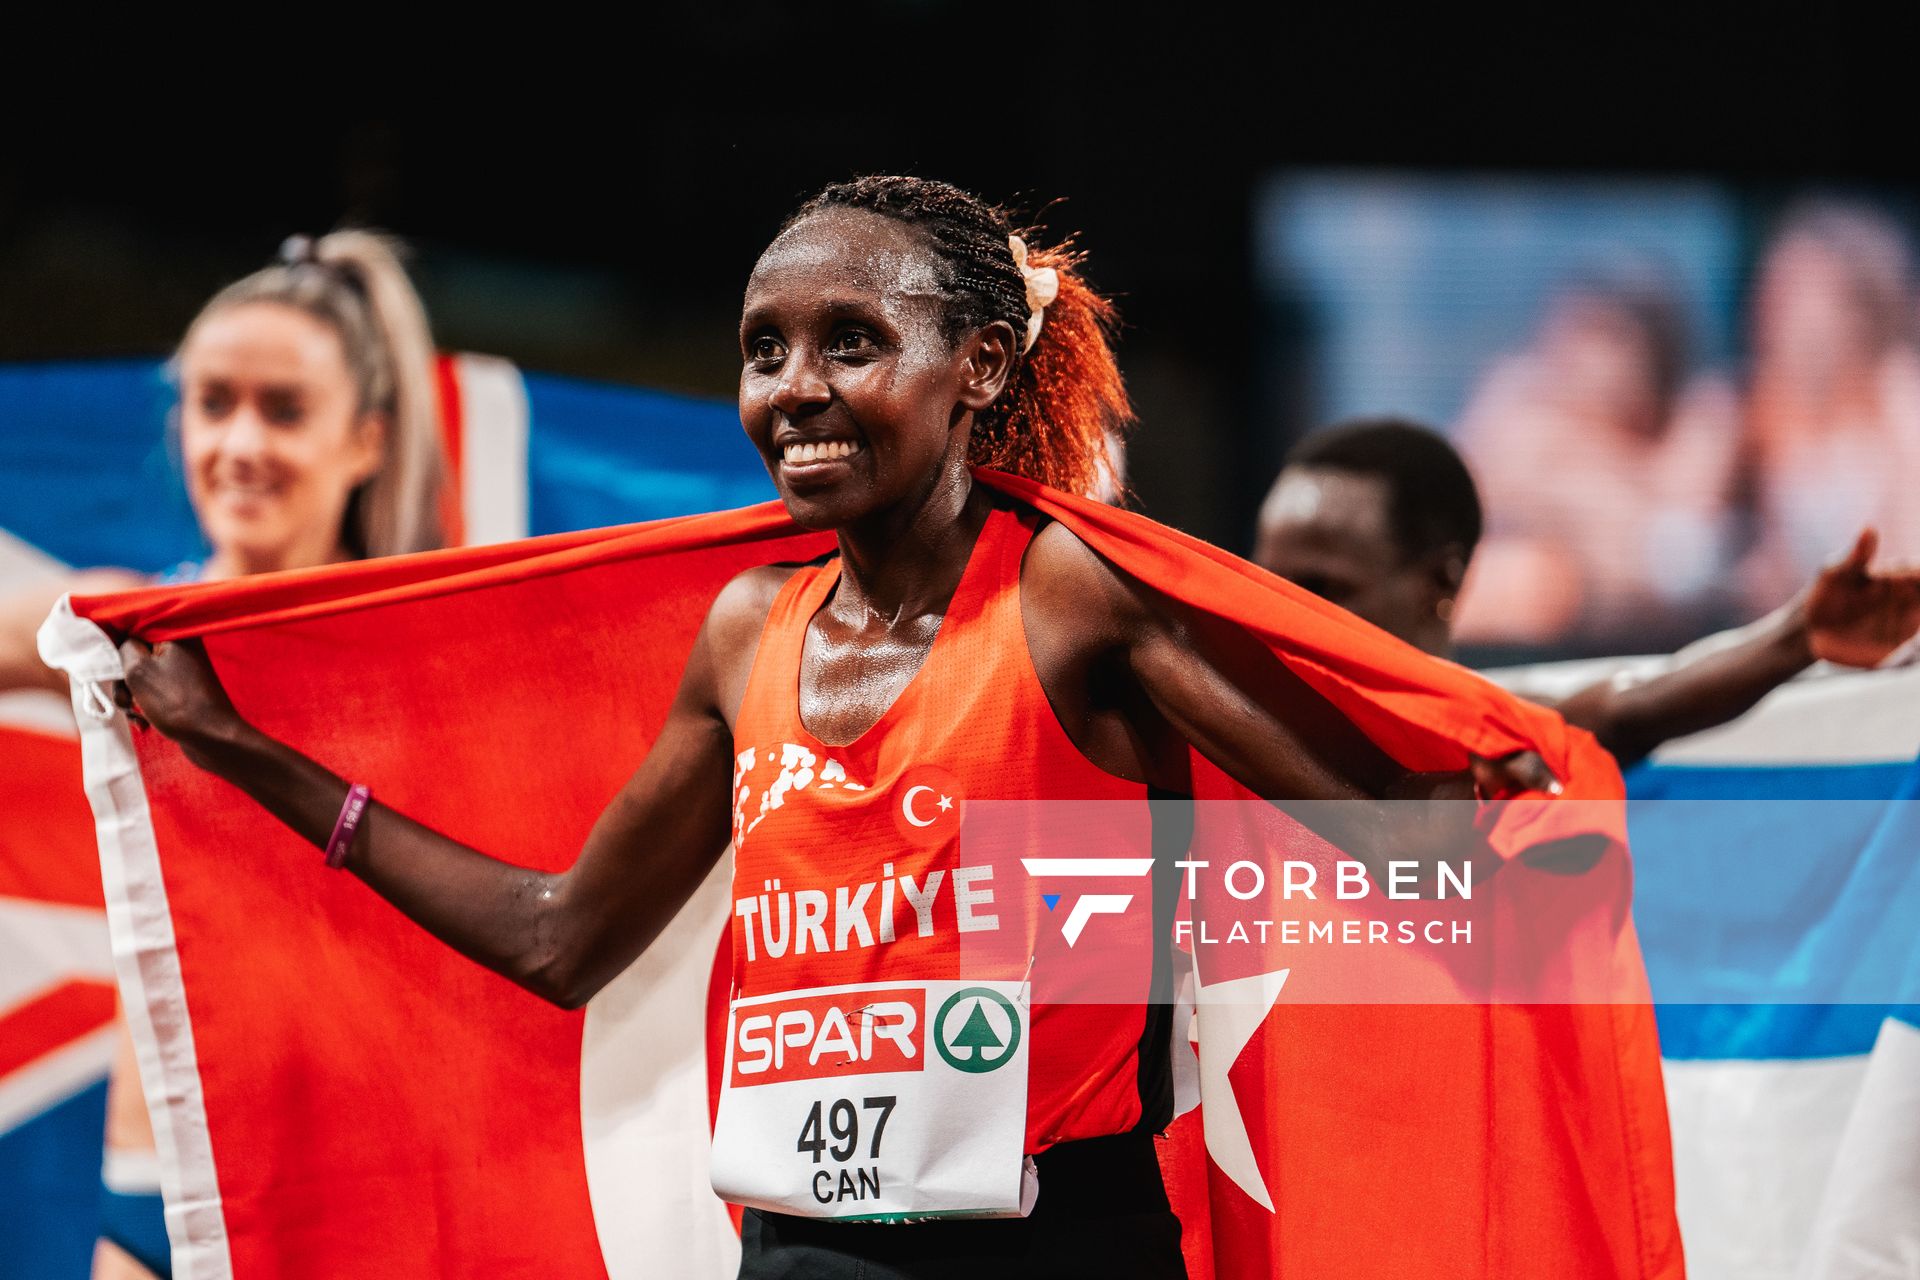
1089 905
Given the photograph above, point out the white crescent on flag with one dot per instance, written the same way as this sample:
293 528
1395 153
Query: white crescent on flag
906 806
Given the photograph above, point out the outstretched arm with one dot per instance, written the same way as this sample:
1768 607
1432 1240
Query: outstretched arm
1848 615
1224 693
562 935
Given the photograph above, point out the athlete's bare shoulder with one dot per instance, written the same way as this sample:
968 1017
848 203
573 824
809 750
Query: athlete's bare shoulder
1065 585
1082 617
742 606
731 635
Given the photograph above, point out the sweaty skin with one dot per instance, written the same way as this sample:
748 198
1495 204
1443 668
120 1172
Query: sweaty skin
861 407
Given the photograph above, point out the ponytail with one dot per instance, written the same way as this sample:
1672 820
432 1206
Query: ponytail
1065 407
398 508
353 282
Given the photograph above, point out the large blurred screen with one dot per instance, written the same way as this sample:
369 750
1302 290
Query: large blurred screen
1678 398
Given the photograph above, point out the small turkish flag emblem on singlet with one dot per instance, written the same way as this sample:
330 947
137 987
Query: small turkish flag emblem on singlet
928 805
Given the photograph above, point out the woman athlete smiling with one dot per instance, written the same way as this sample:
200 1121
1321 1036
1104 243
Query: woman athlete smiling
894 335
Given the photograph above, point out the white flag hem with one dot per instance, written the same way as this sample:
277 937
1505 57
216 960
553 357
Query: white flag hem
146 961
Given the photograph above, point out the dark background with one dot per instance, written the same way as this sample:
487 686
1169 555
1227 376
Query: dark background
590 201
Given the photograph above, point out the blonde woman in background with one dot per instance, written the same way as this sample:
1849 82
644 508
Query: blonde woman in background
309 433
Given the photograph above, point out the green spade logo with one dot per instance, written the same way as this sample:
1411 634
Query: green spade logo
976 1045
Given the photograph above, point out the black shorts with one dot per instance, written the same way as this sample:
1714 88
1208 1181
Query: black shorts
1102 1214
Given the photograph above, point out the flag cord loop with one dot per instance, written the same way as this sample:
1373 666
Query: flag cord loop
95 702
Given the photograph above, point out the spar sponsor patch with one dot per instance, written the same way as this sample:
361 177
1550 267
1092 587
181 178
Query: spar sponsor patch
881 1101
817 1035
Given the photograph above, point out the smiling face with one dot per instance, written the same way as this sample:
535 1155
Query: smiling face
273 437
849 384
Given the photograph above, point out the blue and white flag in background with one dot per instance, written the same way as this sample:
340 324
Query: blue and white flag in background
1777 897
1783 941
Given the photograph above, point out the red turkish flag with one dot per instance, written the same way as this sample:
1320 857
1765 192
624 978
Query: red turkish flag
343 1095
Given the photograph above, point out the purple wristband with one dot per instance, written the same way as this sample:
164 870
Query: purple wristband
348 823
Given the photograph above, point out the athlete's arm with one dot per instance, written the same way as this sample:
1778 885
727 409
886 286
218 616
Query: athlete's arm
1230 698
1848 615
562 935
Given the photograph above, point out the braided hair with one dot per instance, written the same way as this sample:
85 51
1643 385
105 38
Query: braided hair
1065 400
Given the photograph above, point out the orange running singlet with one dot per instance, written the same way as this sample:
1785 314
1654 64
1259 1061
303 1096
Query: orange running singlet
889 980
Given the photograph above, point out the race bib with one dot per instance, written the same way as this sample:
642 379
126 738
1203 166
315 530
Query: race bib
877 1101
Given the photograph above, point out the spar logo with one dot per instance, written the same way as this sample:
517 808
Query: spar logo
818 1034
1087 905
976 1030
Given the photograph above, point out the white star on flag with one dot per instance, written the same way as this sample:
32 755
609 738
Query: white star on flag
1226 1014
